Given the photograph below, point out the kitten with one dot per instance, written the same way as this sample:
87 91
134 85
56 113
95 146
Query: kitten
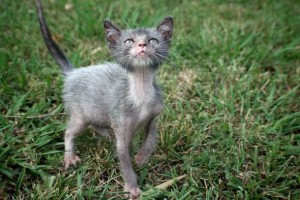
121 96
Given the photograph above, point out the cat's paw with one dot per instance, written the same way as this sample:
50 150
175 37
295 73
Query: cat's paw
134 192
140 159
71 159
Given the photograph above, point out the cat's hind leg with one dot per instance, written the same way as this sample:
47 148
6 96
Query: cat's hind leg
75 126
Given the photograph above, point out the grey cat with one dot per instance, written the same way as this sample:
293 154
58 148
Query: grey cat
121 96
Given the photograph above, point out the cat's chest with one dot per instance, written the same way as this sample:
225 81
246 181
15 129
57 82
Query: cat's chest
147 112
148 105
143 96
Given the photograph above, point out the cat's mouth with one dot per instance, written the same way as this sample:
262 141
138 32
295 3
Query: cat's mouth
142 53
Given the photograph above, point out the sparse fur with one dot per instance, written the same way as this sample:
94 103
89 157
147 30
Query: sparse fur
121 96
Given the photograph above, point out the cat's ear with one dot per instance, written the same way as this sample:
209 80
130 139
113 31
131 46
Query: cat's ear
112 31
166 27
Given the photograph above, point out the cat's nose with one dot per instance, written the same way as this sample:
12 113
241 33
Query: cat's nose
142 43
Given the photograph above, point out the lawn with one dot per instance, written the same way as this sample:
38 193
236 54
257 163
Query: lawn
231 121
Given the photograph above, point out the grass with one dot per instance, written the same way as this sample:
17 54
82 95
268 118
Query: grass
231 121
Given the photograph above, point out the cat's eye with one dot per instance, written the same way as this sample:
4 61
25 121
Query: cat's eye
129 41
153 41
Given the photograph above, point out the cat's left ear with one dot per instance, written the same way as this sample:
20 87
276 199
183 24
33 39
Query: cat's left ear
112 31
166 27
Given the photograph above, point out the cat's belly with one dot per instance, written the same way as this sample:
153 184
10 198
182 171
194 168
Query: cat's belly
97 116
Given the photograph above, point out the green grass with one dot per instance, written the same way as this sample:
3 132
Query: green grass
231 121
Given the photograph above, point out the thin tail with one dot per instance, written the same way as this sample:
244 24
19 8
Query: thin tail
53 48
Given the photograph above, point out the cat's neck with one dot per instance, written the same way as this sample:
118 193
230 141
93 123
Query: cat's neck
141 86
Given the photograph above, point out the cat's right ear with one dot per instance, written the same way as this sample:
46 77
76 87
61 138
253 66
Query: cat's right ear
113 32
166 27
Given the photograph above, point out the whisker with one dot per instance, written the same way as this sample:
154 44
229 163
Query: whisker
172 63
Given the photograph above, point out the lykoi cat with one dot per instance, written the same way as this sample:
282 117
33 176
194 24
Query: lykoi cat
121 96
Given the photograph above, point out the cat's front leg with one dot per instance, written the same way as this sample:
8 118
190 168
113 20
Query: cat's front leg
148 145
123 139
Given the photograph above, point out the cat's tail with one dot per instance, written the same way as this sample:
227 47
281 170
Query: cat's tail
53 48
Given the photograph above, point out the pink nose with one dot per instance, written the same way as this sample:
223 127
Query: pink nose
142 43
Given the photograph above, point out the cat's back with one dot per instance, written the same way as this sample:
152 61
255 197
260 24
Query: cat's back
88 91
106 73
95 79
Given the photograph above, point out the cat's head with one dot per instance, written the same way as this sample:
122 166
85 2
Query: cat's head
141 47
